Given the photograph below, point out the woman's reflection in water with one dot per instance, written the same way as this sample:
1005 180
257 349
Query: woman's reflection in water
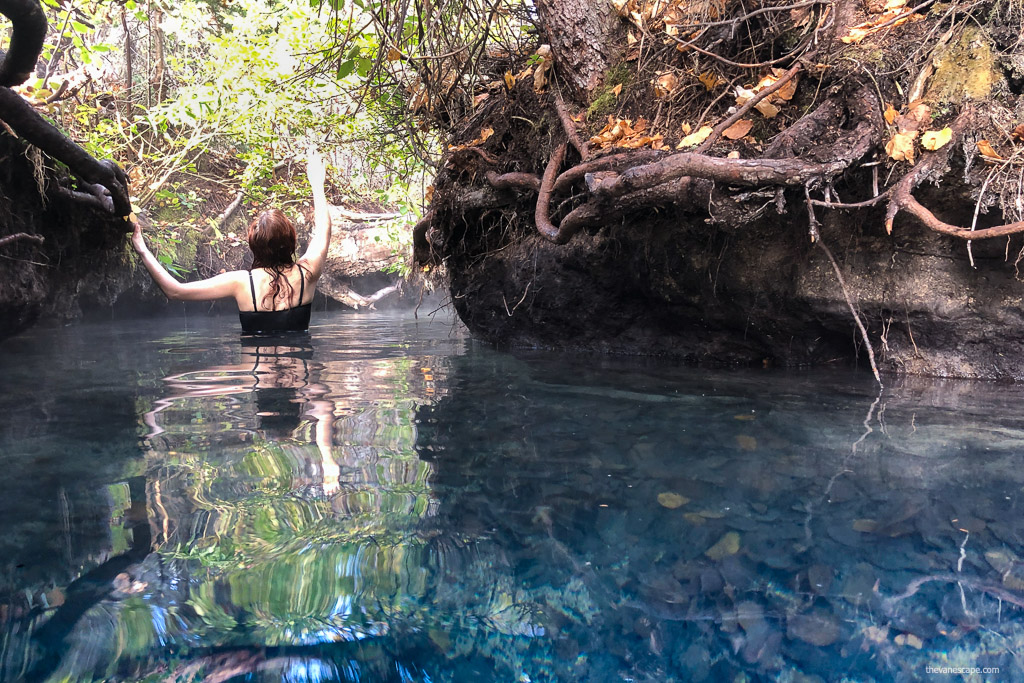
288 398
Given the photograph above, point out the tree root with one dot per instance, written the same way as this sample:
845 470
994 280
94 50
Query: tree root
541 215
914 586
902 198
570 127
21 236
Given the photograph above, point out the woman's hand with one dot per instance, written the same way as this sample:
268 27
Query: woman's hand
138 242
315 170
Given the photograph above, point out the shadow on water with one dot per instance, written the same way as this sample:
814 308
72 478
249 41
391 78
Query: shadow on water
384 500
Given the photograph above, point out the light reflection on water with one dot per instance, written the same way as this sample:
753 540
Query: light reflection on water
385 500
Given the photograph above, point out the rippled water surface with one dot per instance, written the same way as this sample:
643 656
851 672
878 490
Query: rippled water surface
386 500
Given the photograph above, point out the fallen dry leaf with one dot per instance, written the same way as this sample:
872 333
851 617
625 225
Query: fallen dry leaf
480 98
733 155
710 80
617 90
695 138
687 128
746 443
767 109
672 500
935 139
896 16
664 84
394 55
540 77
1018 133
918 113
901 146
510 80
985 147
738 129
890 113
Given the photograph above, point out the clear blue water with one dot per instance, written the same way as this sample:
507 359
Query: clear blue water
387 500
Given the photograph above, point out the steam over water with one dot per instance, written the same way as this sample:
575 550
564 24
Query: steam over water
387 500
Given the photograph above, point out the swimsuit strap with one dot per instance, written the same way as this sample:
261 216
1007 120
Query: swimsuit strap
302 284
252 288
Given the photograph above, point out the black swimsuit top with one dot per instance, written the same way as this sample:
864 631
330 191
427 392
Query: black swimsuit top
289 320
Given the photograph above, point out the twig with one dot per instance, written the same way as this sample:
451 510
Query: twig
21 236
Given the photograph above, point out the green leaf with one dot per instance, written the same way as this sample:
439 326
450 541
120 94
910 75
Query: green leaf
345 68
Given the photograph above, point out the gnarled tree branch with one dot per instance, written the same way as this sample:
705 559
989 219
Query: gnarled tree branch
26 40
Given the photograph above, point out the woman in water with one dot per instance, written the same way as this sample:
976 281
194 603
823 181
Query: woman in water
276 293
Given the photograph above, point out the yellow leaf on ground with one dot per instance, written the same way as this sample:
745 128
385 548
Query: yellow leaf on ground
738 129
890 113
767 109
617 90
934 139
695 138
985 147
710 80
901 146
672 500
733 155
510 80
687 128
894 4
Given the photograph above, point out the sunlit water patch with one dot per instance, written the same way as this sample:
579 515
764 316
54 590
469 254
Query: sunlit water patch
384 499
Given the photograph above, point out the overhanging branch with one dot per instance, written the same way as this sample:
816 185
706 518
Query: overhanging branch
29 31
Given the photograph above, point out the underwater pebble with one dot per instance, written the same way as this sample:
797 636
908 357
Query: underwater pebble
817 628
819 576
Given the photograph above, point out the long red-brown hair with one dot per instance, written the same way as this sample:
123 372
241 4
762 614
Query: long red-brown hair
272 239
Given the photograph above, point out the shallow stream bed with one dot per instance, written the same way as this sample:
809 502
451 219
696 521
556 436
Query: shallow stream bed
387 500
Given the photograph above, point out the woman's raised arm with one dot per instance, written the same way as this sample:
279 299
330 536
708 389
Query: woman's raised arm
223 286
316 252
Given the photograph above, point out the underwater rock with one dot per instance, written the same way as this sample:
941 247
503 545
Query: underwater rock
819 577
695 660
817 628
858 586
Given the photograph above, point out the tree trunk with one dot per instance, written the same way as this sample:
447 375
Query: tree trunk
582 35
